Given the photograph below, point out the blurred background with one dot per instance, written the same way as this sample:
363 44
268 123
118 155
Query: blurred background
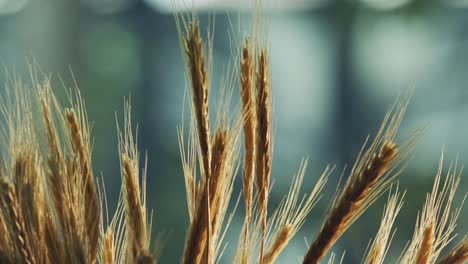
336 67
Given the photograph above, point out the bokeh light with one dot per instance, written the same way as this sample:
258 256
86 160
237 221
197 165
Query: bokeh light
12 6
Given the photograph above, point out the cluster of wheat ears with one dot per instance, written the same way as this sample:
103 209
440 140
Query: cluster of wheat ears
52 209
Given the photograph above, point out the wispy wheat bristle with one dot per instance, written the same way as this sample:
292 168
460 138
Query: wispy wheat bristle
436 223
379 247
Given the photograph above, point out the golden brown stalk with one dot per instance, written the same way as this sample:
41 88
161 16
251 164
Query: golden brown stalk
377 252
263 164
352 197
108 250
80 144
427 246
16 222
194 50
280 242
458 255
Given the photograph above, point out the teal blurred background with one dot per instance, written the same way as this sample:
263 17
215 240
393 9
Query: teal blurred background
336 67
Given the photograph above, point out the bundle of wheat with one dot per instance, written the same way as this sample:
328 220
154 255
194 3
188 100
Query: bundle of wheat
51 209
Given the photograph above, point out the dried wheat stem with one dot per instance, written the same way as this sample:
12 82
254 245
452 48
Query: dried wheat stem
92 211
427 245
280 242
263 164
352 198
458 255
198 75
12 208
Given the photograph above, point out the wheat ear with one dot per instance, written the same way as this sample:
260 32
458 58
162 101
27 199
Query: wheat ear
437 221
195 54
12 209
369 177
249 117
79 137
264 148
138 238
